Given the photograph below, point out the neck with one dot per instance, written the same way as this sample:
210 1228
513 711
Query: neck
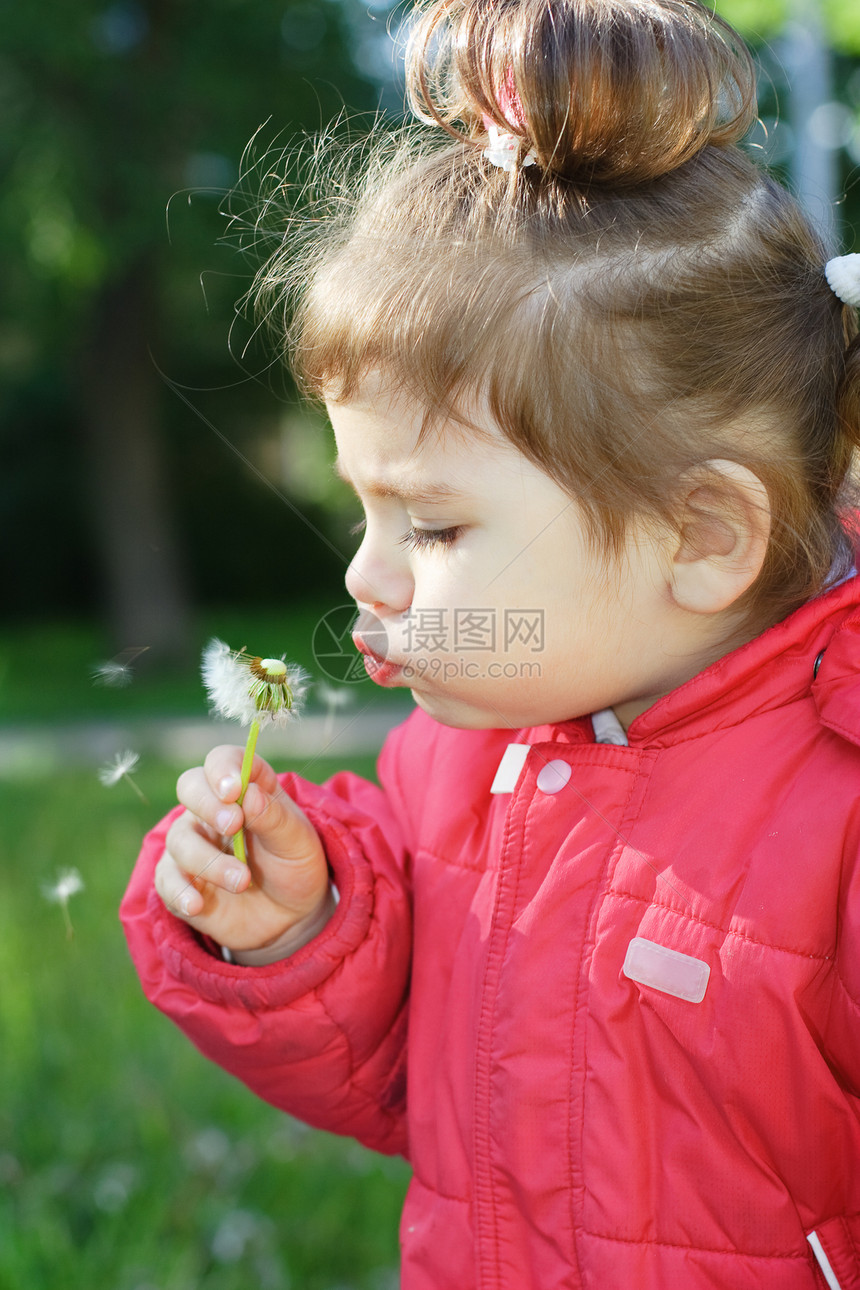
732 633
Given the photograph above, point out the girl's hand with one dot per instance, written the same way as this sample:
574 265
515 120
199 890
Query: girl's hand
281 899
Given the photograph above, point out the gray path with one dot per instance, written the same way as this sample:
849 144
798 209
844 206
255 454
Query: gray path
27 750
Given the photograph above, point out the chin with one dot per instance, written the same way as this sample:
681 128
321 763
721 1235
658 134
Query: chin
450 711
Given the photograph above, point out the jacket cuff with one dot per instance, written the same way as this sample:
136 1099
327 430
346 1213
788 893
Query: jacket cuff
185 957
290 942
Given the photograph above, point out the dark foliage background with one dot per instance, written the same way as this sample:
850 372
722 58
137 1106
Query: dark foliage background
147 455
123 125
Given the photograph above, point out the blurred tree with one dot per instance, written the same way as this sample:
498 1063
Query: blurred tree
107 110
809 99
759 20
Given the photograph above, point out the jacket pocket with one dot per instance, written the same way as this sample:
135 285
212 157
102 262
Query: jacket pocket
836 1246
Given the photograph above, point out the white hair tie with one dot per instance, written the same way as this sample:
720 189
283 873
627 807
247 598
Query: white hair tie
504 150
843 274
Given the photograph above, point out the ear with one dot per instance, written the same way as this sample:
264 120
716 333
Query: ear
724 523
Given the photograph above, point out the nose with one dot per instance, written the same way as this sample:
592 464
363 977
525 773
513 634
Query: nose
380 578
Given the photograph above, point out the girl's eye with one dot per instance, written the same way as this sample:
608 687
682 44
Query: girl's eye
418 539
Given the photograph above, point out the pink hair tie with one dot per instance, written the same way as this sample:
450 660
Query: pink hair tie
504 149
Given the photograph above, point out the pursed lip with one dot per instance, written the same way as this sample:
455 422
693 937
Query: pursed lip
380 669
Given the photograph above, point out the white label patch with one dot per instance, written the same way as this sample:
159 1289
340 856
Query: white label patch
513 760
666 970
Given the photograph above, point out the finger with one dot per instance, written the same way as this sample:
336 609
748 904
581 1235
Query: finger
285 853
202 860
176 889
196 794
223 770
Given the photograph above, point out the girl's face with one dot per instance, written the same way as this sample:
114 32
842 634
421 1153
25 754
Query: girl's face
477 587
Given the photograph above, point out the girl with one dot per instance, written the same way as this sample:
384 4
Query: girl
590 956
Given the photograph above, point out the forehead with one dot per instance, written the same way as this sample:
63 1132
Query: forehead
386 445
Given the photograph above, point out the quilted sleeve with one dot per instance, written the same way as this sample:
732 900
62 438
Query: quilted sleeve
322 1034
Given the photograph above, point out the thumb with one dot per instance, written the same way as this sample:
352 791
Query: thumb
281 827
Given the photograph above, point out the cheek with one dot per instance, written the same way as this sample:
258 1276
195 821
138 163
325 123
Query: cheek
542 562
437 584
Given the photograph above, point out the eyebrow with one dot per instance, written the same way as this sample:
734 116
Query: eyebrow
425 493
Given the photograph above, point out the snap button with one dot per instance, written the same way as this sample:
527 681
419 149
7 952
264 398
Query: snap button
553 776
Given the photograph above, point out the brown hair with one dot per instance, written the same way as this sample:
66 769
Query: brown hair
639 301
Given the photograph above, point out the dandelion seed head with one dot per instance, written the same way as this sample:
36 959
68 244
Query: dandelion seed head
113 1188
68 884
208 1149
269 669
123 763
236 1231
244 687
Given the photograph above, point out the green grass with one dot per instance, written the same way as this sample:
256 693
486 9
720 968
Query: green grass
128 1162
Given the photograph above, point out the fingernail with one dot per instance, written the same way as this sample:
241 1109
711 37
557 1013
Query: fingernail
228 785
233 878
186 904
225 820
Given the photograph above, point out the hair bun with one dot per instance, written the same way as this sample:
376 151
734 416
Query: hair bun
601 91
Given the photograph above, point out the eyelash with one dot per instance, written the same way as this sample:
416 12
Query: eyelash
418 539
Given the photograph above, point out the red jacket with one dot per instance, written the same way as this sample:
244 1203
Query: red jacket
583 1111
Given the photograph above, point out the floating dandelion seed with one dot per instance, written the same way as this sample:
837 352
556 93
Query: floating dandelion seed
111 674
120 767
115 770
334 697
68 884
116 673
255 691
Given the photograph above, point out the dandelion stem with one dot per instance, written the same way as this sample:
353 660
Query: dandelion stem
247 762
142 797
